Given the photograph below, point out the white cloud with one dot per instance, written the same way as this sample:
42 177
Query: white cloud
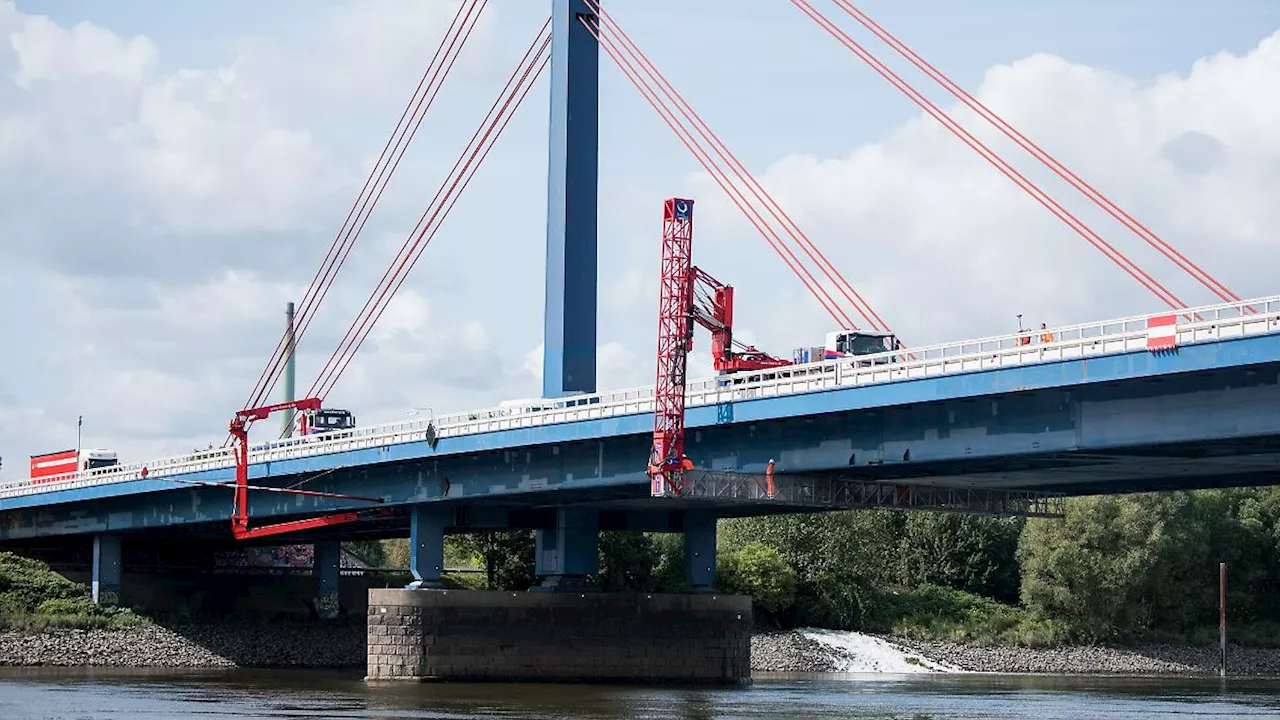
157 220
48 52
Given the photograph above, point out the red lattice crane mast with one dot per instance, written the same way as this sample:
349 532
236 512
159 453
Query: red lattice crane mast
688 295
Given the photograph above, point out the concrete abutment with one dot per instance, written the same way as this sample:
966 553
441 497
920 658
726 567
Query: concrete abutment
419 635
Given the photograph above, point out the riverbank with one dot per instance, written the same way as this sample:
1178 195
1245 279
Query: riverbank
342 645
826 651
207 645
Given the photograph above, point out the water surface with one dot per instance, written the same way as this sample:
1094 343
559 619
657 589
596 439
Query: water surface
132 695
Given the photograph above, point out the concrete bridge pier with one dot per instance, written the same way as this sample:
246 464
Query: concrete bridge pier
327 567
566 554
427 523
107 569
700 550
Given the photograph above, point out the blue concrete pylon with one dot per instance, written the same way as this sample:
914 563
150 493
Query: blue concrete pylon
567 554
569 330
107 569
700 550
326 565
427 523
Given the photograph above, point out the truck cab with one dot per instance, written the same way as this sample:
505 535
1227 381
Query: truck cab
325 420
843 344
98 458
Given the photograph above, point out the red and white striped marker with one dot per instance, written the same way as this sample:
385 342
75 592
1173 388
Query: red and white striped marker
1162 333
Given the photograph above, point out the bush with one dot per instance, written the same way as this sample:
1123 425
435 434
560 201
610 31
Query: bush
67 606
937 613
25 583
759 571
33 597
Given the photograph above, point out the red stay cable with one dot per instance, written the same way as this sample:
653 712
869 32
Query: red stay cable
1102 201
771 205
451 46
452 58
413 246
406 248
434 224
735 194
328 268
435 227
1018 178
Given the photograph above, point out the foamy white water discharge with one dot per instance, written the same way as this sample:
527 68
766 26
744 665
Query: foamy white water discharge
857 653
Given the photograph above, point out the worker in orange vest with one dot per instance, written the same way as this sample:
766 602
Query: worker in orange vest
768 479
1045 335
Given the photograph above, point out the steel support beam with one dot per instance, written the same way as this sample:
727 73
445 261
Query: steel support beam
700 549
569 553
326 565
427 523
569 332
107 569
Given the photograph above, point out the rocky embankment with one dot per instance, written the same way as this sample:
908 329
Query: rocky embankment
342 645
1094 660
191 646
789 652
798 651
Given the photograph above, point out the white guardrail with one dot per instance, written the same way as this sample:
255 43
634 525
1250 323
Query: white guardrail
1194 325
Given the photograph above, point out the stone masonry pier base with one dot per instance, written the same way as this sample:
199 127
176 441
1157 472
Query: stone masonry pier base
563 637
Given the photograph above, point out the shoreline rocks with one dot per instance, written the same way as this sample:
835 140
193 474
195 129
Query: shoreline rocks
342 645
1150 659
220 645
791 651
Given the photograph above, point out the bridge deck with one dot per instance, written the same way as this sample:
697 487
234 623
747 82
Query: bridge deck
1215 337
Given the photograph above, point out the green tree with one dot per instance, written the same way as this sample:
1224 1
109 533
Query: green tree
507 556
840 559
627 562
758 570
1132 564
973 553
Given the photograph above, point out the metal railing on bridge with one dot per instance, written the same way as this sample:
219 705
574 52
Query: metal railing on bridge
1209 323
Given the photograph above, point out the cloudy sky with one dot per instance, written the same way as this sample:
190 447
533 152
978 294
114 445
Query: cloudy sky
172 173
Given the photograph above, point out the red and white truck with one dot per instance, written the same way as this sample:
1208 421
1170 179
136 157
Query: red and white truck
49 465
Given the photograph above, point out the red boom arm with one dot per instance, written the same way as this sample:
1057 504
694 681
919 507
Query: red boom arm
240 502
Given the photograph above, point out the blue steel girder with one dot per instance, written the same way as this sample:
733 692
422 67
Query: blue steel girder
1208 415
569 332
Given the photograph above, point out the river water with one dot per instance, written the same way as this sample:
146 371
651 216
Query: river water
49 694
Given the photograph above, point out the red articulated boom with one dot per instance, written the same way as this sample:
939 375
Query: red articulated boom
689 295
240 503
711 306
